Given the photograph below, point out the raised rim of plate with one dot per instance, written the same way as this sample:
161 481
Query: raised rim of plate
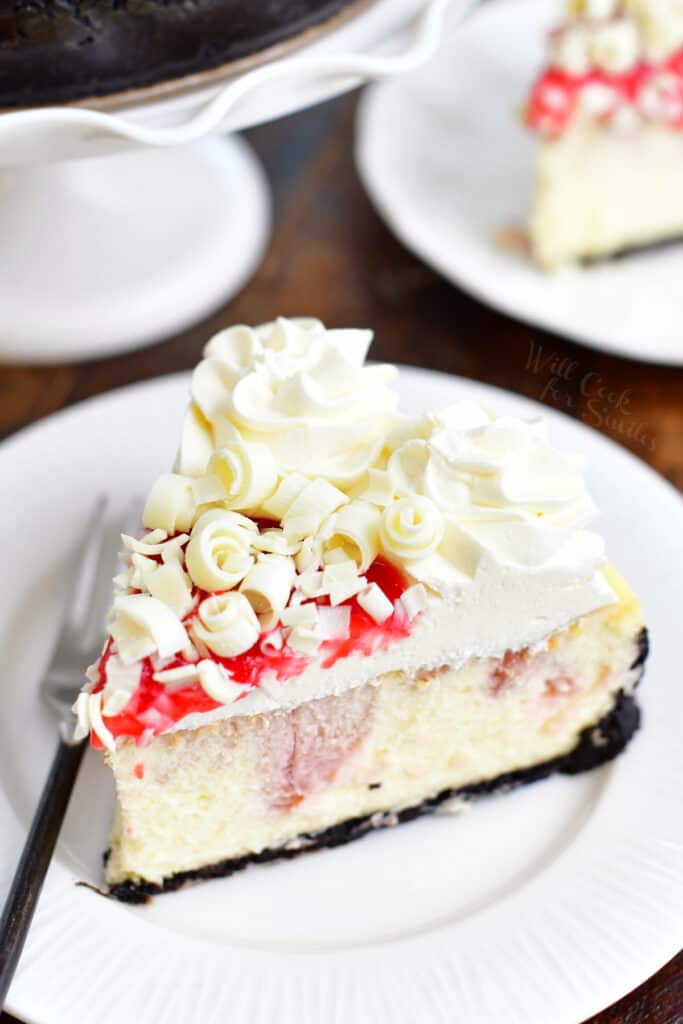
538 955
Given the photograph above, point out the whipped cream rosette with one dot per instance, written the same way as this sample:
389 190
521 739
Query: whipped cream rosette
300 390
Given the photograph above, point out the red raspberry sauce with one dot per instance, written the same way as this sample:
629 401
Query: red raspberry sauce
154 708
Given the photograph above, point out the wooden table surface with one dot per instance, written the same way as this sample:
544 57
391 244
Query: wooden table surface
332 257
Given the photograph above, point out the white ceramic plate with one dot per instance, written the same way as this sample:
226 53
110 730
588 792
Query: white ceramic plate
446 160
540 906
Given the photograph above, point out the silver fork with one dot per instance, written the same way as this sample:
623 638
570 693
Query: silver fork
79 644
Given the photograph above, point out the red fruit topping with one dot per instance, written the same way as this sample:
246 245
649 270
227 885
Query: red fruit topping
155 708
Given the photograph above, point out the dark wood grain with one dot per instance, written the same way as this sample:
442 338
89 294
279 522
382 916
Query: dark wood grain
332 257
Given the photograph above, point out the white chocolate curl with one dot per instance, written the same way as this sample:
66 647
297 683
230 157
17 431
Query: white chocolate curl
311 507
411 528
274 542
247 472
143 625
226 625
267 587
170 584
154 543
288 489
170 505
354 531
341 581
215 681
196 445
379 488
218 555
96 723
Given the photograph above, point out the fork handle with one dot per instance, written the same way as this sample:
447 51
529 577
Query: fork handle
35 859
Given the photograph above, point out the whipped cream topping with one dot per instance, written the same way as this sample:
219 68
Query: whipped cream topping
471 484
292 390
312 538
615 62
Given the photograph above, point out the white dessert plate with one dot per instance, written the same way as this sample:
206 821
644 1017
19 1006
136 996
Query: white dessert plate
542 905
450 167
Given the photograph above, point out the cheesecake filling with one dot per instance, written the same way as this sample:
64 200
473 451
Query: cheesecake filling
275 780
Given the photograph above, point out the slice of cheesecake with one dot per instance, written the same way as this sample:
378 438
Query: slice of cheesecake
340 617
609 112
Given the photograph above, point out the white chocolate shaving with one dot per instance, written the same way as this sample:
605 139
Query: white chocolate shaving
143 625
379 488
150 544
170 504
414 600
207 490
335 555
353 532
178 676
196 445
226 625
304 640
300 615
310 583
247 472
273 642
288 489
140 566
218 555
168 583
123 580
122 682
115 702
274 542
155 543
342 581
80 709
215 681
375 602
312 505
267 587
96 723
334 623
307 557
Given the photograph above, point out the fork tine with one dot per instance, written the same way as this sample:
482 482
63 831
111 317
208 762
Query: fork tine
101 587
86 560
